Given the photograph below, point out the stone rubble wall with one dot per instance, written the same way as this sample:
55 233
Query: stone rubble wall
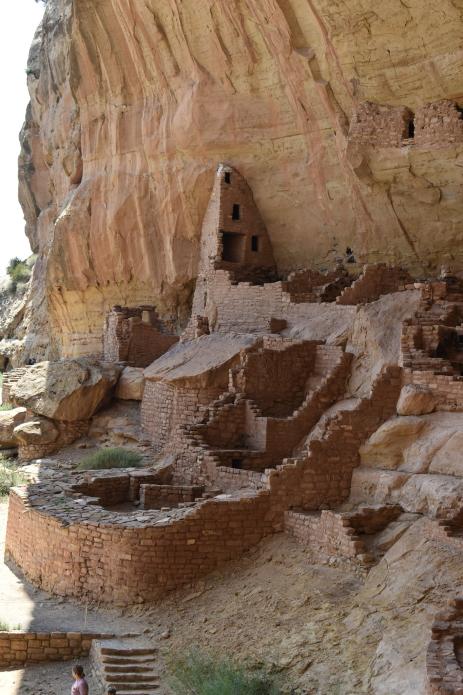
375 281
327 534
443 659
69 432
378 125
135 336
438 124
430 345
435 125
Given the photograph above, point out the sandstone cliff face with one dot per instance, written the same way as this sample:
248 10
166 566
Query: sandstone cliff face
134 103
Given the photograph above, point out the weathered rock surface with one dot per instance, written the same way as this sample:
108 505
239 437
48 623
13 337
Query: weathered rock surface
118 425
9 419
374 337
417 445
415 400
199 358
37 431
131 384
132 105
416 462
68 390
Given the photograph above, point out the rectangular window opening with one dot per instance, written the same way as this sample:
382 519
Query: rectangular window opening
236 212
254 243
237 463
227 177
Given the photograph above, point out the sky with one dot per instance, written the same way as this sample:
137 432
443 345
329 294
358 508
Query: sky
20 19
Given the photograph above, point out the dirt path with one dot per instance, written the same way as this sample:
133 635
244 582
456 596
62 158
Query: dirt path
23 604
50 679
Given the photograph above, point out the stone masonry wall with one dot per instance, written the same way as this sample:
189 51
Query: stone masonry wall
327 534
380 126
443 659
130 563
157 496
375 281
167 408
68 433
135 336
276 379
438 124
21 648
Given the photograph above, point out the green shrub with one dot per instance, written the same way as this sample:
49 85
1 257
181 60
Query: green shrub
19 271
110 458
200 674
10 476
6 406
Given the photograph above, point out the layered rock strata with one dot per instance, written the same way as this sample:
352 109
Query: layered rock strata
132 105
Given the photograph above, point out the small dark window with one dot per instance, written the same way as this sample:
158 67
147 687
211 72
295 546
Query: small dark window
227 177
236 463
236 212
254 243
411 129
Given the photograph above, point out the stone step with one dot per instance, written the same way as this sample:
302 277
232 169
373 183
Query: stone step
128 667
124 660
130 678
145 691
122 687
133 651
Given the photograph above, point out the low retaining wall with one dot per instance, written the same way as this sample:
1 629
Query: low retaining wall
20 648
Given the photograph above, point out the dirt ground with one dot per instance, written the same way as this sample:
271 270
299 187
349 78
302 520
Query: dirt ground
50 679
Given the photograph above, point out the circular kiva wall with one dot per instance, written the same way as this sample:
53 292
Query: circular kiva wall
104 549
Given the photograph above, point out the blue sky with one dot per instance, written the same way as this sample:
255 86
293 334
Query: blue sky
20 19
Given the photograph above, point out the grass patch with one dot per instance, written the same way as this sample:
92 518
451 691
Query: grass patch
10 476
201 674
6 406
110 458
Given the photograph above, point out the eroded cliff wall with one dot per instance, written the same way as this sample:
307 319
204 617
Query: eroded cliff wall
133 103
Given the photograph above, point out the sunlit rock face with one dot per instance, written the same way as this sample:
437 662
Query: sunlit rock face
133 104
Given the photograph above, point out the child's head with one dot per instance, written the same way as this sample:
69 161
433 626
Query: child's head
112 690
78 671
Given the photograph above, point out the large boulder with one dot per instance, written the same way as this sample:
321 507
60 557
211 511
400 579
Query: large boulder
427 444
131 384
415 400
37 431
9 419
67 390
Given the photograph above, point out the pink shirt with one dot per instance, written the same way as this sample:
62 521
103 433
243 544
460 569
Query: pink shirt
80 687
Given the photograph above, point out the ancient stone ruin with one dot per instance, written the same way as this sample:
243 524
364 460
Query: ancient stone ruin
251 429
135 336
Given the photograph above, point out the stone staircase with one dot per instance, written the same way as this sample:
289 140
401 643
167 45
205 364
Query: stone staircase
130 665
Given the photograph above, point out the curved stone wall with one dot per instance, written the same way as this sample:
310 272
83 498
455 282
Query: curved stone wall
124 563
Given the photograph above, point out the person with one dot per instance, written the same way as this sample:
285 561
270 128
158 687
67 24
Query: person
111 690
80 686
